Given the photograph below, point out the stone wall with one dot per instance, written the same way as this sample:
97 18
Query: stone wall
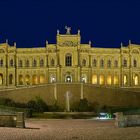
126 120
16 120
123 97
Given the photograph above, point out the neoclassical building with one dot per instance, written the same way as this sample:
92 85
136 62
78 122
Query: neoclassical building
69 61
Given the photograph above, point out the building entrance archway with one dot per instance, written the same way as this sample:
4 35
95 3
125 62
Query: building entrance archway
68 79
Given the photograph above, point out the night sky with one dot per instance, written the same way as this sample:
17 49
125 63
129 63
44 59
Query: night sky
106 23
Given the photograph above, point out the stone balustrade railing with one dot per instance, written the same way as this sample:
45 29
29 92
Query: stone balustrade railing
16 120
122 120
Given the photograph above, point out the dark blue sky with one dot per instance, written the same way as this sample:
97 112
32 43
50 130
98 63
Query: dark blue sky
105 22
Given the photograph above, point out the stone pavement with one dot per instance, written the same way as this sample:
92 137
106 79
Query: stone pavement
70 130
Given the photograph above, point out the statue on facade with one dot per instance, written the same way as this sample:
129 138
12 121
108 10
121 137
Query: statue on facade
68 29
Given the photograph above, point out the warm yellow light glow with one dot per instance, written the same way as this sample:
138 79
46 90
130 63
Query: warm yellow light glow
116 80
102 81
1 80
27 79
109 79
20 79
42 79
35 80
124 79
94 79
136 80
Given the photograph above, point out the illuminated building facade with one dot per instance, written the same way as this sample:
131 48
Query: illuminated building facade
69 61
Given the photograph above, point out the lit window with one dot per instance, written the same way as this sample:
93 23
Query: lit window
116 80
68 60
68 79
136 80
94 79
53 79
125 79
101 80
109 80
84 79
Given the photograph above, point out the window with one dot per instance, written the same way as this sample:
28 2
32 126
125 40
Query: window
116 64
125 63
83 62
135 63
68 60
84 78
52 79
1 63
102 63
11 63
109 63
27 64
10 79
125 79
94 63
136 80
20 63
52 62
34 63
94 79
41 63
68 79
1 79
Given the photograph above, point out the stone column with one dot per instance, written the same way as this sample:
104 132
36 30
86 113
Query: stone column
55 92
82 92
20 120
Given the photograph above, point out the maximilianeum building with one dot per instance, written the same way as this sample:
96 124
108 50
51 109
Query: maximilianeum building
69 61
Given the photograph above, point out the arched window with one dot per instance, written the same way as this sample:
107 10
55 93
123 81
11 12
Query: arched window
10 79
20 63
94 63
125 79
116 80
115 63
125 63
68 78
20 80
94 79
11 63
41 63
68 60
101 80
136 80
52 79
52 62
109 80
109 63
27 80
84 78
101 63
84 62
1 79
1 63
34 63
27 63
134 63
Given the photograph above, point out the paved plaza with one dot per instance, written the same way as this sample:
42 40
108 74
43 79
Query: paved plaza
70 130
